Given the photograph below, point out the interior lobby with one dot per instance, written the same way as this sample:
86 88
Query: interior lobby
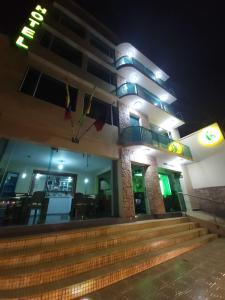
46 185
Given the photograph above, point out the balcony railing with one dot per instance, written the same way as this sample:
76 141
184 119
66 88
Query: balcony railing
135 89
137 135
130 61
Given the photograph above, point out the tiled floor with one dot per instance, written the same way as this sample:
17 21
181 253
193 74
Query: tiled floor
197 275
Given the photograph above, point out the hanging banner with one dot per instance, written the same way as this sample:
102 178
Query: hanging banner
34 22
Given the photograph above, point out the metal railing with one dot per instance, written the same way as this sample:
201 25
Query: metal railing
130 61
129 88
138 135
213 209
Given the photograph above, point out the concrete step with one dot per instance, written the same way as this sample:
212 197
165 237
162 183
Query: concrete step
45 240
12 278
74 287
35 255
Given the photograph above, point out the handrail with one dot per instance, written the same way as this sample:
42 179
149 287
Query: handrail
210 200
203 198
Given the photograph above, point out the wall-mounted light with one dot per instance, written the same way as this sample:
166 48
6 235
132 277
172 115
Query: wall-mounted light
211 136
137 105
163 97
158 75
133 78
24 175
38 176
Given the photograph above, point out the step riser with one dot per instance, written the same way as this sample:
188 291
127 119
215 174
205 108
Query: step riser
52 275
81 289
41 256
47 240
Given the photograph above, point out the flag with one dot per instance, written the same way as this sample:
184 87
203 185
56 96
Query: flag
88 108
67 114
99 123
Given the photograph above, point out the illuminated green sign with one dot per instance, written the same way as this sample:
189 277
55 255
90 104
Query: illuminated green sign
28 32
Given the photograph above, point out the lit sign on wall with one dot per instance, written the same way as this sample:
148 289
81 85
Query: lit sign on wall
175 147
28 32
211 136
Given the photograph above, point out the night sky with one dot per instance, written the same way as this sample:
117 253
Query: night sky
186 39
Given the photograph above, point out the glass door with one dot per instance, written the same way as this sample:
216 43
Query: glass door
136 133
138 183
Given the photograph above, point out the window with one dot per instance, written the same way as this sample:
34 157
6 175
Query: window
68 22
101 46
47 88
101 72
30 81
61 48
102 110
66 51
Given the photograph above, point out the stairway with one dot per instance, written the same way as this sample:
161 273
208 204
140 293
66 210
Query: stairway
70 264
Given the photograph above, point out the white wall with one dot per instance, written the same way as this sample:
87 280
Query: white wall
209 172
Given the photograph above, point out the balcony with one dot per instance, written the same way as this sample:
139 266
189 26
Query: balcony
137 135
130 61
134 89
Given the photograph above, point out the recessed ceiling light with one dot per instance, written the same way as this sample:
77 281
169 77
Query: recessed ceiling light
24 175
158 75
133 78
163 97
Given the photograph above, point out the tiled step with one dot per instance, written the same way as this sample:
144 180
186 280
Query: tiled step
31 256
44 240
66 267
74 287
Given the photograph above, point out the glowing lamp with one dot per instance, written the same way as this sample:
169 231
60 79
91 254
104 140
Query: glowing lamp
164 97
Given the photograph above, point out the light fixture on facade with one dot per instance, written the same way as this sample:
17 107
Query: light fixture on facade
24 175
137 105
160 129
158 75
163 97
86 180
133 78
211 136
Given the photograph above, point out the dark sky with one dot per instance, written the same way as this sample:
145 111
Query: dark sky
184 38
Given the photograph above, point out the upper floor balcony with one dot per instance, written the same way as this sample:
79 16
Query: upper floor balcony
137 135
145 102
130 61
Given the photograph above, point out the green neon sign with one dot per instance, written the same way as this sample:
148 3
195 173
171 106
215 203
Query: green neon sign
28 32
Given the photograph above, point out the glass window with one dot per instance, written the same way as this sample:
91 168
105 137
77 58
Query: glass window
47 88
66 21
101 46
99 109
46 39
54 91
101 72
30 81
66 51
115 116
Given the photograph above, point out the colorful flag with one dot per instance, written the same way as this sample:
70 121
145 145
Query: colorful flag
88 108
67 114
99 123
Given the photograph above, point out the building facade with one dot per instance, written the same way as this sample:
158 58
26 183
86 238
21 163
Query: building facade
114 155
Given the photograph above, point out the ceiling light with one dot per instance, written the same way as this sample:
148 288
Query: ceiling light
60 166
158 75
138 174
133 78
86 180
24 175
160 129
137 105
163 97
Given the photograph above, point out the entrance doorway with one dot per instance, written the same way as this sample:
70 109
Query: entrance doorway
138 183
170 188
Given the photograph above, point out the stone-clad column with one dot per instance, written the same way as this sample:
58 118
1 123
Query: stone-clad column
127 209
153 188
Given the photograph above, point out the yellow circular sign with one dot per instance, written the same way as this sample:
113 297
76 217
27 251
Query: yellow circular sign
176 147
210 136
